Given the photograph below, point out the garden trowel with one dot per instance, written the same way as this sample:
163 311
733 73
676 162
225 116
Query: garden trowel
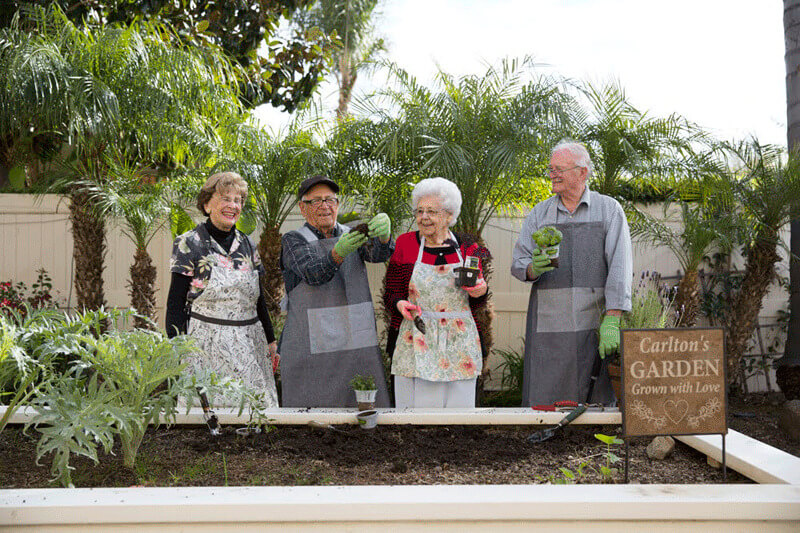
545 434
208 414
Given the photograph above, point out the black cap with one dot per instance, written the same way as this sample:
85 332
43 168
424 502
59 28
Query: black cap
315 180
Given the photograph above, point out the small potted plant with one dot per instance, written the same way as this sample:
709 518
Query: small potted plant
548 239
365 389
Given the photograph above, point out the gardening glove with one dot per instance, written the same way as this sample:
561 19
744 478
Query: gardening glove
540 263
406 308
609 336
380 226
349 243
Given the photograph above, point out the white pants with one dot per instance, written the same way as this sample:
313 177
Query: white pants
417 392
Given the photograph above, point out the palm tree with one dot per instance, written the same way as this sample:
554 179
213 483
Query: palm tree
703 224
787 374
351 21
140 91
624 142
767 189
273 169
45 100
371 182
141 209
484 133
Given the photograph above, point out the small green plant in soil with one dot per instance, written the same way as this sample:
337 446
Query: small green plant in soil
606 472
511 379
548 238
360 382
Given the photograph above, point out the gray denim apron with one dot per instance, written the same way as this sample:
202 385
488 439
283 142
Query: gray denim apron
330 336
563 316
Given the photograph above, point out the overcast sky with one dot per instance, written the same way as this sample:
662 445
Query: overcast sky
716 62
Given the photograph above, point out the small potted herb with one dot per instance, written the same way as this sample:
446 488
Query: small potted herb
365 389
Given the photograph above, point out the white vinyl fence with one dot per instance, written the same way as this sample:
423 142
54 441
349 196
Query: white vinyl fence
35 233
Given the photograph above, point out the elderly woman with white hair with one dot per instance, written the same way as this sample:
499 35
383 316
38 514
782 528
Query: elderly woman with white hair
435 363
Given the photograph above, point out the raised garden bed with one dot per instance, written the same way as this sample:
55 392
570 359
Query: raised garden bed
457 478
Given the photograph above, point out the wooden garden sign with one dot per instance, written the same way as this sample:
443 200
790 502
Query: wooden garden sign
674 382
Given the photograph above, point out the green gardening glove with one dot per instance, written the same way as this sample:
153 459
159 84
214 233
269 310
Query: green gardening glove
609 336
380 226
540 263
349 243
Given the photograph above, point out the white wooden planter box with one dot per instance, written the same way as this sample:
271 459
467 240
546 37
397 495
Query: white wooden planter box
730 508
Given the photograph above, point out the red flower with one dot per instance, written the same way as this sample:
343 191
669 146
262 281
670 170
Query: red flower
408 337
468 365
444 364
413 293
420 342
443 321
441 269
460 325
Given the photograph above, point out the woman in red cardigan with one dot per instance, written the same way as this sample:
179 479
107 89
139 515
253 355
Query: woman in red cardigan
436 367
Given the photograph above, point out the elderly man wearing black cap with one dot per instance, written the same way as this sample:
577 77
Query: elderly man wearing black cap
329 335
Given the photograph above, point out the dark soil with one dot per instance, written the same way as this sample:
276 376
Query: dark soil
290 455
363 229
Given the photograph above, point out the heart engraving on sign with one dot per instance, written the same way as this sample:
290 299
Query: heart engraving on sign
676 411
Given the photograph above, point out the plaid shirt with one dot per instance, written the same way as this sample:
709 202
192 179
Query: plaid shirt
301 262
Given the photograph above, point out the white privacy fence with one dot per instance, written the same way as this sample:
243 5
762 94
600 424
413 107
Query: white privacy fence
35 233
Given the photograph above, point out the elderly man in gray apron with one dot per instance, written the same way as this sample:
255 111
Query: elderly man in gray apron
329 335
565 331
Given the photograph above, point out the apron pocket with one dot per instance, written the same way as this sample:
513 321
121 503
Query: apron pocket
348 327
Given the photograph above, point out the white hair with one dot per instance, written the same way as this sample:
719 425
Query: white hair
444 190
578 152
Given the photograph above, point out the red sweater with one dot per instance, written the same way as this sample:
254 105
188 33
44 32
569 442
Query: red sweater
401 266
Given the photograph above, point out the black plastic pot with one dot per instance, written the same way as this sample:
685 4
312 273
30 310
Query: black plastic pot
467 277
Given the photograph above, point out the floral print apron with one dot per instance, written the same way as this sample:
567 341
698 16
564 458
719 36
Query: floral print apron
450 348
239 351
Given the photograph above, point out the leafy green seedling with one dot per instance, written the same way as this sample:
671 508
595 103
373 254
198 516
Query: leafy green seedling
607 472
360 382
547 239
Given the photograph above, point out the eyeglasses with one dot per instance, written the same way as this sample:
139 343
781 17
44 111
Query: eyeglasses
237 200
430 212
559 171
317 202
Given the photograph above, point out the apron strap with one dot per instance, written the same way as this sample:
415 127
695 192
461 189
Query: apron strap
222 321
446 314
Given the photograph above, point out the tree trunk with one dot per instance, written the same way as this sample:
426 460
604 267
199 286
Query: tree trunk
788 372
269 248
89 243
758 274
142 289
348 81
687 299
